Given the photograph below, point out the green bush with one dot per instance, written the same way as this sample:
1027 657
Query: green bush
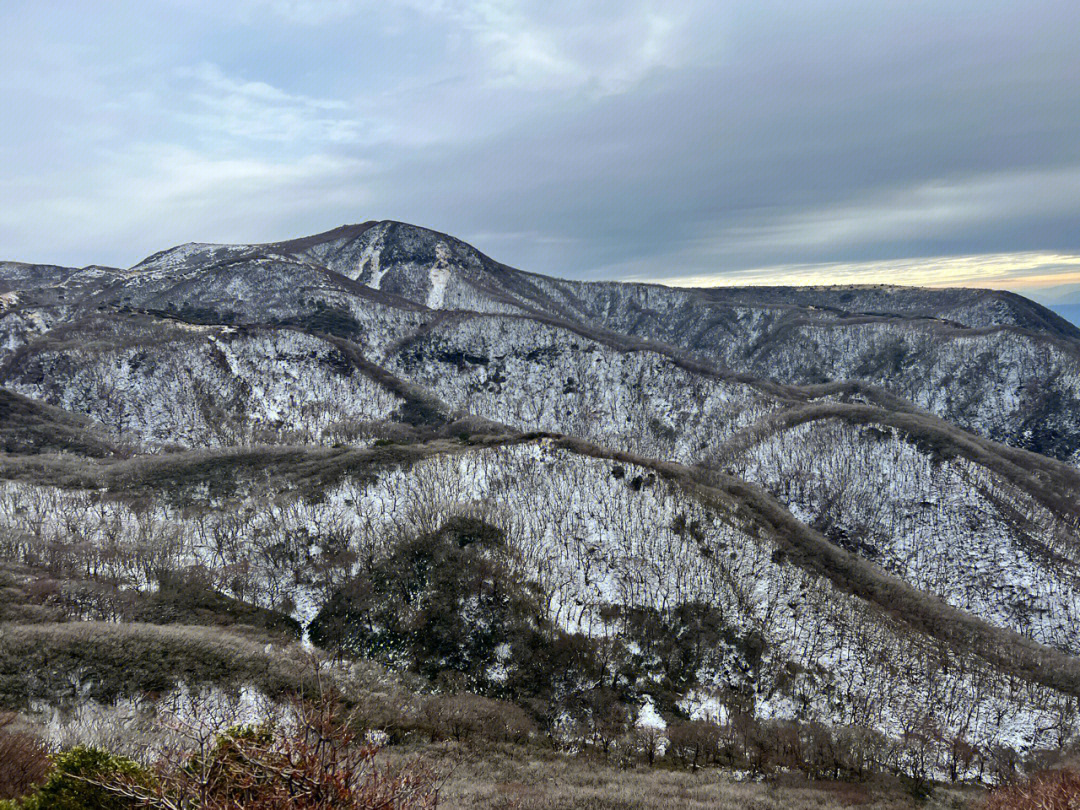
439 604
71 785
450 607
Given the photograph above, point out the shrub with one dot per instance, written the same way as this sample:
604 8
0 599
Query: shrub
310 761
694 743
187 599
23 759
438 603
104 661
1049 790
671 648
464 717
81 779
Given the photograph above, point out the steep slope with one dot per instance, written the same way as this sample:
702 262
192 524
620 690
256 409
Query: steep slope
423 266
174 383
794 463
926 509
28 427
991 361
604 535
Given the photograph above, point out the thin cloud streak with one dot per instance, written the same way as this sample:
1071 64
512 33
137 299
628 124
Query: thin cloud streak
242 109
1030 272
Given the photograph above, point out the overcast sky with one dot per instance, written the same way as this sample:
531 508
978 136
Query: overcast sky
684 140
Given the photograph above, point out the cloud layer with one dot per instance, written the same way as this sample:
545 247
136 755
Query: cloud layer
917 141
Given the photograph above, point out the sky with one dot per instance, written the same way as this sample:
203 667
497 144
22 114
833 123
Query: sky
685 141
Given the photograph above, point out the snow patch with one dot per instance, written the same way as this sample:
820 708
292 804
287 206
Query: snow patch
649 717
439 277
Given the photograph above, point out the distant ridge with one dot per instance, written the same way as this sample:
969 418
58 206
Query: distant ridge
1070 312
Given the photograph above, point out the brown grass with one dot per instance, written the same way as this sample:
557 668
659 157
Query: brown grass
517 778
1049 790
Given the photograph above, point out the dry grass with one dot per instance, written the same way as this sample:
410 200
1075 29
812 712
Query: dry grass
1050 790
517 778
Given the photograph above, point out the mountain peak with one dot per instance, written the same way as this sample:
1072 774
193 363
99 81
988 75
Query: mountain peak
407 260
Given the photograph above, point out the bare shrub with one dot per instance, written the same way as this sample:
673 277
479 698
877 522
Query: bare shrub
649 740
311 760
694 743
24 762
1049 790
465 717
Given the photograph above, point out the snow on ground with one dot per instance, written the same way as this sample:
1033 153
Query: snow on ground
537 377
949 527
590 535
213 387
439 277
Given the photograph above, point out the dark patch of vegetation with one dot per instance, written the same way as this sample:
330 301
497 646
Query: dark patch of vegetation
664 652
325 319
420 413
186 599
450 607
191 313
460 358
887 359
77 660
445 605
30 427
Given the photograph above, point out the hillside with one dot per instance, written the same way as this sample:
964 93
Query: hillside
846 506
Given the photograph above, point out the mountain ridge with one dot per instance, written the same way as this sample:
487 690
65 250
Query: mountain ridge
874 487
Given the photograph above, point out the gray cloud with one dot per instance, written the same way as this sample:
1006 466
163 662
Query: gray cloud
614 139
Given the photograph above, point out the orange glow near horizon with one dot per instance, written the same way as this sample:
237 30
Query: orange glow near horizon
1030 272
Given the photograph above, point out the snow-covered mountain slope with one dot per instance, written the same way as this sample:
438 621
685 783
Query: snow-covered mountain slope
942 522
1015 387
531 375
821 466
595 531
991 361
423 266
972 308
173 383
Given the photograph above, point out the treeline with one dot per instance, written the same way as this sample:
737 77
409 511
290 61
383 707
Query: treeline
620 733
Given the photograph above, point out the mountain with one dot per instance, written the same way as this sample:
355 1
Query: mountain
864 498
